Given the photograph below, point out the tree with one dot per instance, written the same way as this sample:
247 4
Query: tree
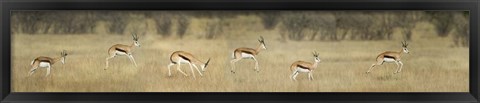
295 24
163 24
407 21
343 21
442 21
462 29
183 23
214 28
269 19
322 23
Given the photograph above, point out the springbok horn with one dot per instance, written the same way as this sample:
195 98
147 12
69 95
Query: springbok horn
208 61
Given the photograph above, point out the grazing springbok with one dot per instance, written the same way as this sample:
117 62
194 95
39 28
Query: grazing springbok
304 67
47 62
182 57
247 53
123 50
391 56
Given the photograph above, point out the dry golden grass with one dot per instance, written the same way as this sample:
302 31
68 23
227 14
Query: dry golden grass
428 68
431 66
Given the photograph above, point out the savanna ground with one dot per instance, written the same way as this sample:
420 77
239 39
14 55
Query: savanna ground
431 66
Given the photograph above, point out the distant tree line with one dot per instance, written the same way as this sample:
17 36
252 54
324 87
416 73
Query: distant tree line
293 25
367 25
41 22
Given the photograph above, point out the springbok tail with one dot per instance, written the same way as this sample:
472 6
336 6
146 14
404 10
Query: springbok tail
292 67
233 55
32 62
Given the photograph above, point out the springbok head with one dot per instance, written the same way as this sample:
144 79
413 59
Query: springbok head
135 39
63 56
204 67
404 46
262 42
315 55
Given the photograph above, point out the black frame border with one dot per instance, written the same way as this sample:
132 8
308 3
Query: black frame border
468 97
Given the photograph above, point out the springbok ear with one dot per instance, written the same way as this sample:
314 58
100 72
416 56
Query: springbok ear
404 43
64 53
261 39
135 37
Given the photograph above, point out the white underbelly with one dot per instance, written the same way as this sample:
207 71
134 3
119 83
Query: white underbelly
302 70
388 59
120 53
183 61
245 55
44 64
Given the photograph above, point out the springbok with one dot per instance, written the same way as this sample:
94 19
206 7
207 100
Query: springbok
247 53
47 62
123 50
391 56
182 57
304 67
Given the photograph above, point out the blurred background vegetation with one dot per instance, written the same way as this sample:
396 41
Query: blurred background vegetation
293 25
348 42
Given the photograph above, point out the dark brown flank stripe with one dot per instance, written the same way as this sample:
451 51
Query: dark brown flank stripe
248 52
121 50
48 61
387 56
183 57
242 51
303 67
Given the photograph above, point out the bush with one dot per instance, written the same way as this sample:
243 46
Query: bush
269 19
214 28
295 24
462 29
442 21
183 23
163 24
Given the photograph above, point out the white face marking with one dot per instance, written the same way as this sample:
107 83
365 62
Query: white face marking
317 59
63 60
388 59
44 64
405 50
302 70
263 46
137 44
203 67
245 55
